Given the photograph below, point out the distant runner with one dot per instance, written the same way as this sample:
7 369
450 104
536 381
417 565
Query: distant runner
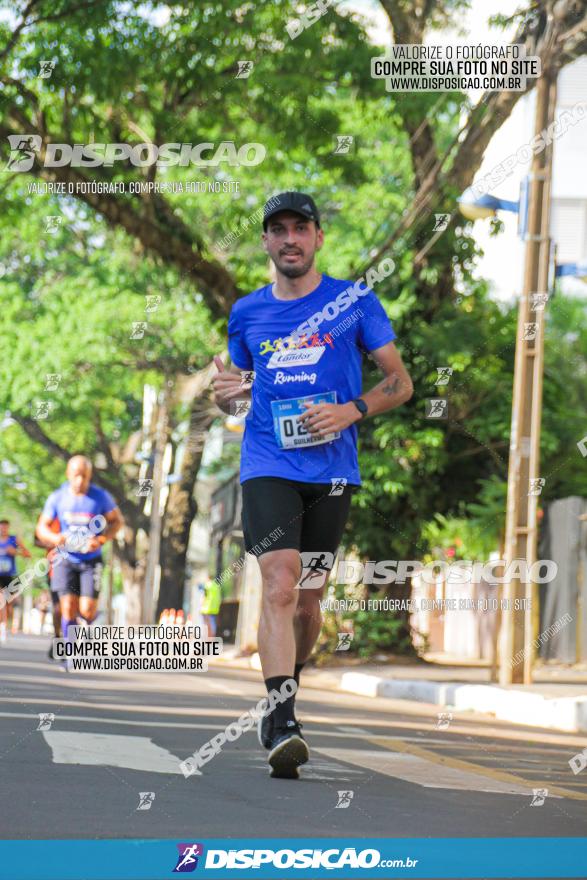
10 548
211 606
88 517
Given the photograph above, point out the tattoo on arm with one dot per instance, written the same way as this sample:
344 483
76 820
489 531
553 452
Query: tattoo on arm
391 387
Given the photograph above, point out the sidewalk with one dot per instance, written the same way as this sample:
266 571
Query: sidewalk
557 700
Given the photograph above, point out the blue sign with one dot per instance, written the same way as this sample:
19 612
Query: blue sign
288 858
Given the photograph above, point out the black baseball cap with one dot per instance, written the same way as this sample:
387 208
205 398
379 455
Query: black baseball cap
298 202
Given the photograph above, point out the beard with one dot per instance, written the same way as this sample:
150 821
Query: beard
294 271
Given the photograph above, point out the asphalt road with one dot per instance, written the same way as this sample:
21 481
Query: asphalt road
115 735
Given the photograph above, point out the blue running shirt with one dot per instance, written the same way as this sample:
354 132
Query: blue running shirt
7 561
74 513
309 348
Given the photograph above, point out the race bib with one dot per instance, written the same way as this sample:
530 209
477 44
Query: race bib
77 538
5 565
289 432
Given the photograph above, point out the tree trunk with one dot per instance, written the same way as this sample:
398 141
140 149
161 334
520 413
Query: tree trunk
181 509
133 575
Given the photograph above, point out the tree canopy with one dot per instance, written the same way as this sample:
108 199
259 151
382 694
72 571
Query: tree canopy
74 290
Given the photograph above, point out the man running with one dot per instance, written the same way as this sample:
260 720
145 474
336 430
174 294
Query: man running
10 548
210 606
295 347
88 517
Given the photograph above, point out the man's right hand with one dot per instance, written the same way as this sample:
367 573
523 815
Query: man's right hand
228 386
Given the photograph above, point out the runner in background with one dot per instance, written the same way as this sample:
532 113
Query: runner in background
211 606
10 548
88 517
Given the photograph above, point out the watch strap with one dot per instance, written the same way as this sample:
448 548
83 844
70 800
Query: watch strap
361 406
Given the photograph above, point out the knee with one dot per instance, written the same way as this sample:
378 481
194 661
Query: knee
69 607
279 586
87 611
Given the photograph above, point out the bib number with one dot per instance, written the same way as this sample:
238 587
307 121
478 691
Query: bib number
77 539
289 432
5 565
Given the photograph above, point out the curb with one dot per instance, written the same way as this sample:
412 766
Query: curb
567 714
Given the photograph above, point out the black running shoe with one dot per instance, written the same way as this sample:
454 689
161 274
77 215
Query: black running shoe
288 750
265 730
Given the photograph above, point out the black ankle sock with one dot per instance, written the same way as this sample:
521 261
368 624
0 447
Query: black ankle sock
283 712
297 669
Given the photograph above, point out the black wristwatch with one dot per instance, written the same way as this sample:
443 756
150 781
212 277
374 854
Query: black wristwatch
361 406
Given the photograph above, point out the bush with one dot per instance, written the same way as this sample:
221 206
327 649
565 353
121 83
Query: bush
373 631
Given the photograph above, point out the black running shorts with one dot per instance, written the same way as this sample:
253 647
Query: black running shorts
11 595
283 514
77 578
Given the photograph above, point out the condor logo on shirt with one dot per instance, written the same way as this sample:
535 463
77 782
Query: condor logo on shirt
296 357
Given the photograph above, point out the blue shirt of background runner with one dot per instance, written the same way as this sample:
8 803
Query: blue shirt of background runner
351 320
74 512
7 561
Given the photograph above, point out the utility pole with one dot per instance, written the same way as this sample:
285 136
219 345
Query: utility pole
519 626
161 433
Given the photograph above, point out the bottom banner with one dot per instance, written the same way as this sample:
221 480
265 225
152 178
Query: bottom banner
554 857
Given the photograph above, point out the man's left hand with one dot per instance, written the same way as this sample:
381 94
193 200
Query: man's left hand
329 418
93 544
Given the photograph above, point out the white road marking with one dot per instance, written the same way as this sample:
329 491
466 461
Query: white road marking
234 691
329 771
361 731
110 750
193 725
129 722
419 771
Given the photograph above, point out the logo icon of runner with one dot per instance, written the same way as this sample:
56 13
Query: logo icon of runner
188 857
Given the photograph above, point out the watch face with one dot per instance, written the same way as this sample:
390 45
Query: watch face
361 406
